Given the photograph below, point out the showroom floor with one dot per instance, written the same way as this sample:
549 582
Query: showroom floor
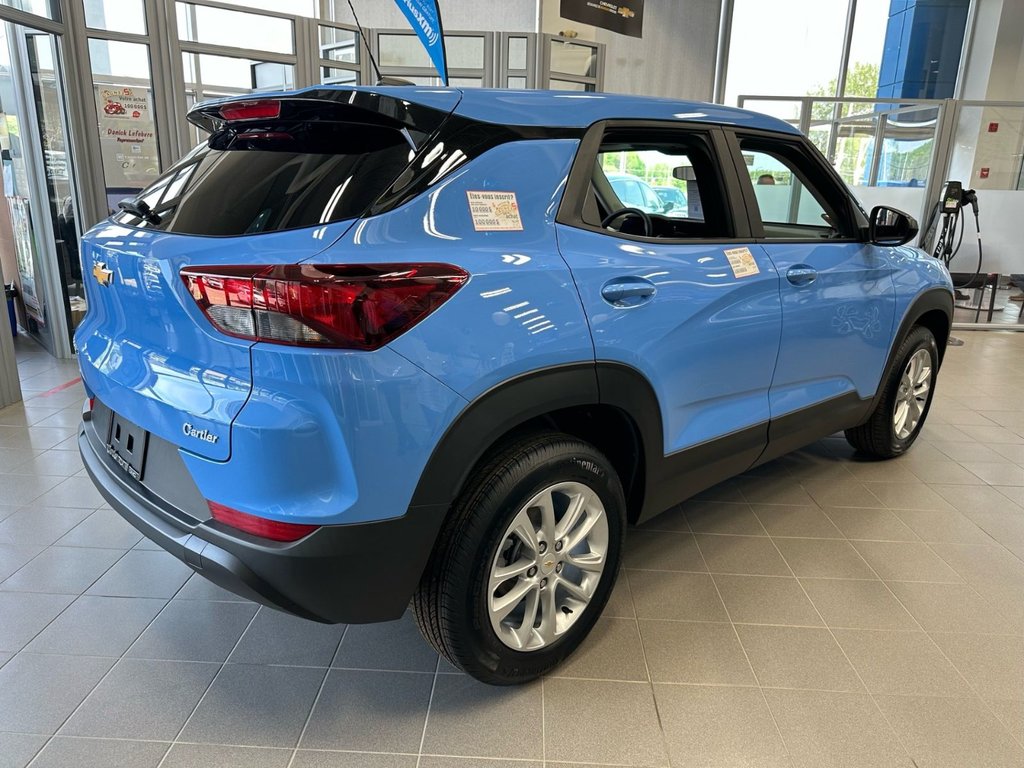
817 612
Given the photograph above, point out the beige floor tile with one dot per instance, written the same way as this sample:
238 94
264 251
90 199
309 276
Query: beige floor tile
470 718
951 733
620 725
1011 714
825 558
986 568
676 596
968 451
905 561
908 496
1006 528
797 657
870 524
835 730
974 498
947 472
953 608
1014 453
857 604
694 652
772 490
806 522
992 434
620 603
722 517
612 652
1005 473
841 493
892 471
718 726
766 600
1013 493
901 663
750 555
993 664
662 551
949 526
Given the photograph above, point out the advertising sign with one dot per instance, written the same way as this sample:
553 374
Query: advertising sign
425 18
127 136
625 18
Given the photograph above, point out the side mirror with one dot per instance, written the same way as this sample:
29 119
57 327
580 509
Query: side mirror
668 207
891 227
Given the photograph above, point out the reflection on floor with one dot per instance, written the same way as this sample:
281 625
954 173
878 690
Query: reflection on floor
1006 311
820 611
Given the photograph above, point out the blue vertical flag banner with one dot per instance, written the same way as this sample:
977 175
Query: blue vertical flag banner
425 18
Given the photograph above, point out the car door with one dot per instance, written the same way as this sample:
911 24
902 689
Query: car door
686 302
837 291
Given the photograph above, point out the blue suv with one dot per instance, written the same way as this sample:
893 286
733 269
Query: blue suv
372 345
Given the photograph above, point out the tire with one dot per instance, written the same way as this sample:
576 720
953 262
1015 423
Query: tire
458 589
881 436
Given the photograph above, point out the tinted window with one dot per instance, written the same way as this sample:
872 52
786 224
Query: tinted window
793 200
648 168
294 176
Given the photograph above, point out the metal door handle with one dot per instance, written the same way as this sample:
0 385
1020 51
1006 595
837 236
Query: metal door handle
801 274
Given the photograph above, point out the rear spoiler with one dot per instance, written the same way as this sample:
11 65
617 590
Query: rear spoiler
398 109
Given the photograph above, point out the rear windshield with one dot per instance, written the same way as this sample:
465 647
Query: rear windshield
285 176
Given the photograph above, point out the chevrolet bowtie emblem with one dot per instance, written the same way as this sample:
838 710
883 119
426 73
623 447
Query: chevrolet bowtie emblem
103 275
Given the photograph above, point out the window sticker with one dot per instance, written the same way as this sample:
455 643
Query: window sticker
494 211
742 262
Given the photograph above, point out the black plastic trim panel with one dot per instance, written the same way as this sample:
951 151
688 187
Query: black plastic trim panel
345 573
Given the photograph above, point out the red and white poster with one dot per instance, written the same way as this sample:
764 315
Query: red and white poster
127 136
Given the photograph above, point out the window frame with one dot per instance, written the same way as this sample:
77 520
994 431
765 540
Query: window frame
814 172
570 210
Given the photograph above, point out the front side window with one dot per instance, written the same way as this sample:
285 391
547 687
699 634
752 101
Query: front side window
794 202
670 177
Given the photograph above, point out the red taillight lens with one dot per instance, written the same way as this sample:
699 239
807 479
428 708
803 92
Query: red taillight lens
266 109
343 306
274 530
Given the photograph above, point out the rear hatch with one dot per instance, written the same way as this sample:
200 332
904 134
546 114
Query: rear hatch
280 179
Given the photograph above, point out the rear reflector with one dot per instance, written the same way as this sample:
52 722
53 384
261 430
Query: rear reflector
274 530
342 306
266 109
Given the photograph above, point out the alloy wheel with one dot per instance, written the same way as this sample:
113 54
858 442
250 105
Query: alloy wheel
548 566
912 395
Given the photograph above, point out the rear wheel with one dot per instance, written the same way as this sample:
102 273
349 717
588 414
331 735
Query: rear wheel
526 561
907 395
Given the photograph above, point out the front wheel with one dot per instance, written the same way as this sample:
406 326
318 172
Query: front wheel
906 397
526 561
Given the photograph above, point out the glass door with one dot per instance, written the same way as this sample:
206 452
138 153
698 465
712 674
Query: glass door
39 215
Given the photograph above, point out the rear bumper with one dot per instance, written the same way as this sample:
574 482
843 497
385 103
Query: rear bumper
357 573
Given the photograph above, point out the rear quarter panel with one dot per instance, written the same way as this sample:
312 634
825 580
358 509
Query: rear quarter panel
520 310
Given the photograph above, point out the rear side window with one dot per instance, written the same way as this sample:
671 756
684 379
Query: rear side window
632 163
293 176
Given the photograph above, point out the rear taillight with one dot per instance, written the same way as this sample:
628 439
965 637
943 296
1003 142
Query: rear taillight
274 530
343 306
264 109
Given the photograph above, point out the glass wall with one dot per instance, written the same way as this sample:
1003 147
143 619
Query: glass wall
126 120
785 48
843 48
39 223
